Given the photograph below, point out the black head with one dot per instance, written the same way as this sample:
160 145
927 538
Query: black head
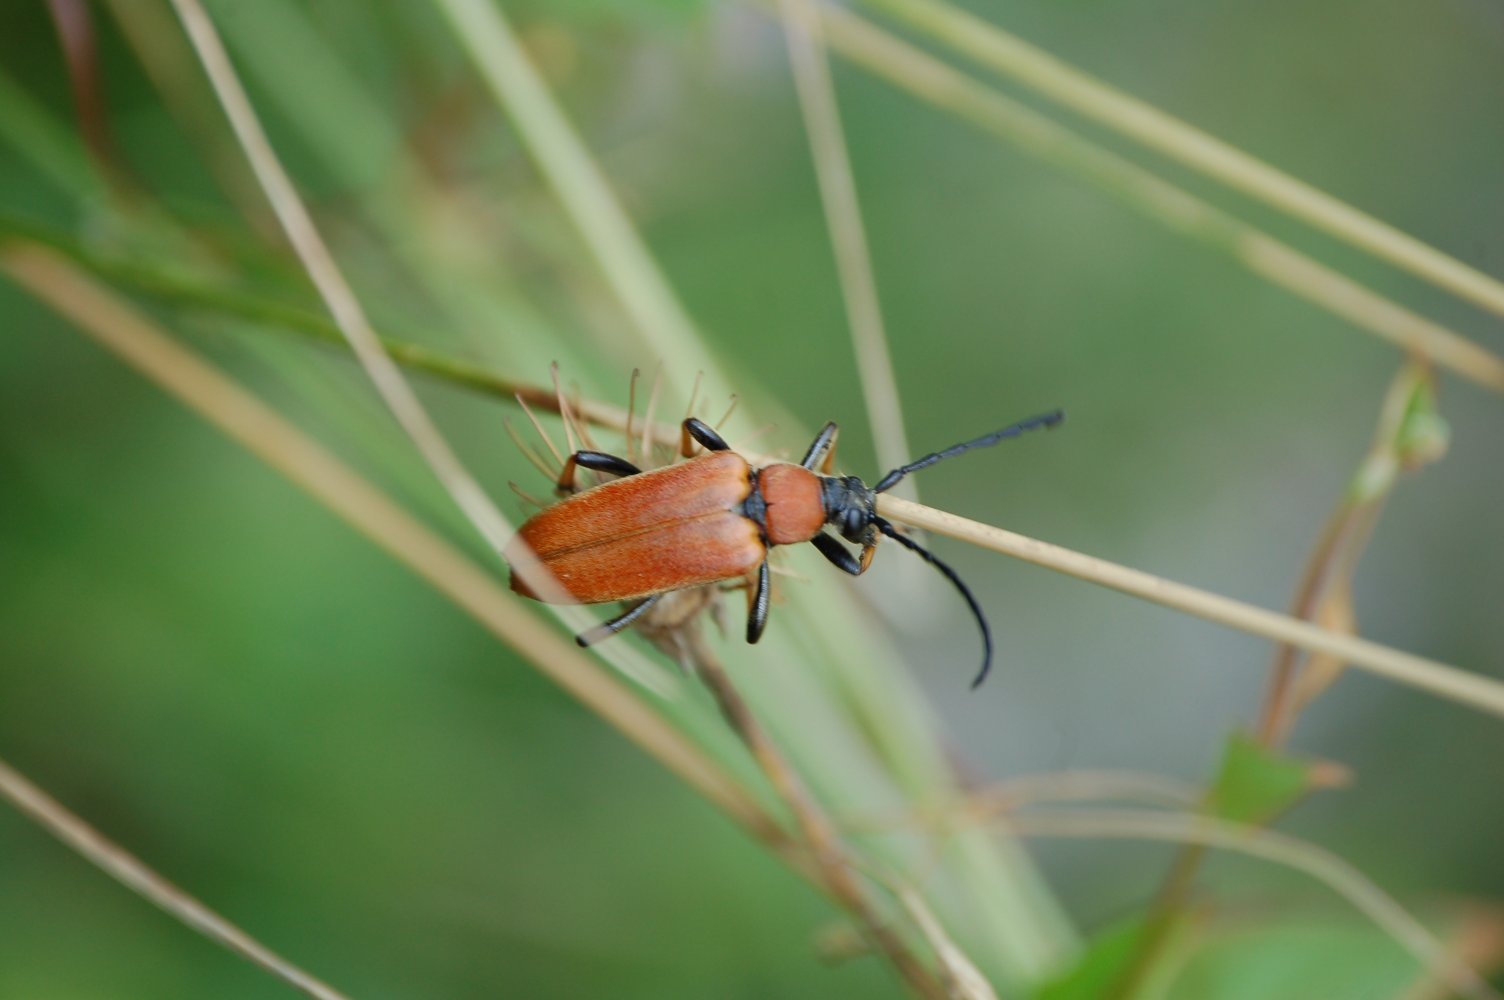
851 508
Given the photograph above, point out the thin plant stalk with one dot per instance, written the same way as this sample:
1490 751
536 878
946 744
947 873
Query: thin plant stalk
1086 567
350 317
657 317
165 57
843 218
1327 575
1326 581
140 878
465 374
1473 690
911 69
819 834
255 426
252 424
991 46
332 287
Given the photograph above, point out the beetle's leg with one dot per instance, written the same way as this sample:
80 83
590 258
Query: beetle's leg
607 629
757 608
702 432
838 554
822 451
599 461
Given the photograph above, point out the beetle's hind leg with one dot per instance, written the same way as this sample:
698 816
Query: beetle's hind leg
607 629
597 461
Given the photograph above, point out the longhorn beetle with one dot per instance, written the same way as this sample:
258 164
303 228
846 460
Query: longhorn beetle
714 518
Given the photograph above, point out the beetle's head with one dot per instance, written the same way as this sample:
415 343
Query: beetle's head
850 508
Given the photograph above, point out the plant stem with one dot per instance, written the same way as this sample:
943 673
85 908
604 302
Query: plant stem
848 236
1473 690
913 70
817 832
141 879
989 45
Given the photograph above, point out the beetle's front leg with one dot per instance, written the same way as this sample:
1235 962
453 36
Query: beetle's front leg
839 555
822 451
597 461
757 606
698 430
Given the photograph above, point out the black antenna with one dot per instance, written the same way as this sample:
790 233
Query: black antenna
986 441
887 528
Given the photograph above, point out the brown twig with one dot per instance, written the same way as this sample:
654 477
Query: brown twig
1331 563
1334 557
818 834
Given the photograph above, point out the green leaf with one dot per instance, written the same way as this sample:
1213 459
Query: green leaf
1256 783
1109 957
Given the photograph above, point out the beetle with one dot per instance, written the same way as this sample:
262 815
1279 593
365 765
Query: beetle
713 518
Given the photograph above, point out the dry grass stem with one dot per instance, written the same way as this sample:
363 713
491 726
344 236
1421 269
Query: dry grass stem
911 69
961 978
823 842
1474 690
990 46
1291 852
658 319
263 432
131 872
332 287
1080 786
1003 797
843 218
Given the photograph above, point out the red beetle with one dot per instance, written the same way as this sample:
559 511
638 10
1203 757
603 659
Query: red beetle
713 518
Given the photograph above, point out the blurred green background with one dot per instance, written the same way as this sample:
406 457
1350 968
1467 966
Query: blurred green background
239 689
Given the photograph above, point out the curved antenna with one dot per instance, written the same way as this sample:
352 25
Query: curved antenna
985 441
887 528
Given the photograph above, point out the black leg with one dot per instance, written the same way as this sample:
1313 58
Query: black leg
606 630
838 554
822 451
703 433
757 611
598 461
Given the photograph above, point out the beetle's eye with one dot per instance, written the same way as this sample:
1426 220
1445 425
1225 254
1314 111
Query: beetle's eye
853 522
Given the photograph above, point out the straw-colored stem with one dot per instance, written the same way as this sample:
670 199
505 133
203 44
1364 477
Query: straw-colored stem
1445 681
848 236
164 56
998 50
566 164
135 875
263 432
331 284
826 850
911 69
